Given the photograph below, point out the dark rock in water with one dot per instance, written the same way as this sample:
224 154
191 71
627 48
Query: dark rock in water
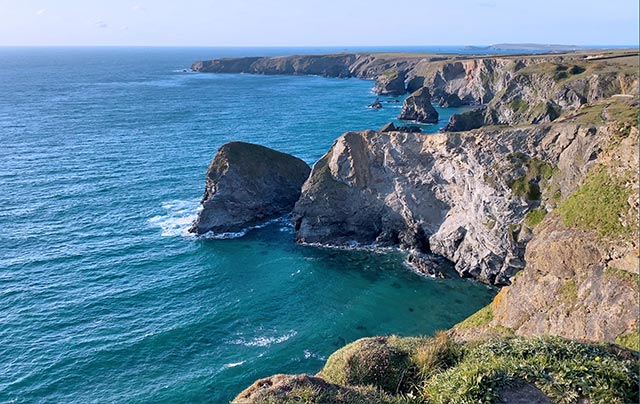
376 104
409 129
417 107
390 83
394 101
465 121
427 264
246 185
451 101
390 127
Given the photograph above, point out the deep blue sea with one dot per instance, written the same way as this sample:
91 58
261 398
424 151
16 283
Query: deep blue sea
105 298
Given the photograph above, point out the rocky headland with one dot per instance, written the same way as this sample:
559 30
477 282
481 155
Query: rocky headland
535 191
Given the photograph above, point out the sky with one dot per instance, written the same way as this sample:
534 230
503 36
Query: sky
316 23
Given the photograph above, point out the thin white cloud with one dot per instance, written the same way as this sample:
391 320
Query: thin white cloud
138 7
124 28
101 24
41 12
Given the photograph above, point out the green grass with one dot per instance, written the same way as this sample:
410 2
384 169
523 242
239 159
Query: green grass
440 371
626 276
376 361
478 319
534 217
528 184
564 370
629 341
598 204
518 105
569 291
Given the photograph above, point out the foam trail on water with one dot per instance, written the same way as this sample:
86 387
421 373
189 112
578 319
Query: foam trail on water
178 217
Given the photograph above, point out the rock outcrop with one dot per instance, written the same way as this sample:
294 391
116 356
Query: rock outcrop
465 121
417 107
390 83
463 196
581 278
246 185
375 105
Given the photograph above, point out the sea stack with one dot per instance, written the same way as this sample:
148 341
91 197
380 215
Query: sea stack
417 107
246 185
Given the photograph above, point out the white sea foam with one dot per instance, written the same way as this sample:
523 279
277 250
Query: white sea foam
233 364
180 214
308 354
177 218
263 341
284 221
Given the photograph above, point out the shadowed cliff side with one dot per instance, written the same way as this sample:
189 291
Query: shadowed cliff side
247 185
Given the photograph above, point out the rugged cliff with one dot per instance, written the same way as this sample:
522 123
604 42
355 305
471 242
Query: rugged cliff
581 277
515 89
465 196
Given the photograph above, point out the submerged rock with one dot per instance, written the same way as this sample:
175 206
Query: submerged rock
246 185
417 107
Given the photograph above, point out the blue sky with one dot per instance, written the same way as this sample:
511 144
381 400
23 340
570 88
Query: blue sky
316 23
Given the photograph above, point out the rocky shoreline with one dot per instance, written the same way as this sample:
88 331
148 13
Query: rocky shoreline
536 191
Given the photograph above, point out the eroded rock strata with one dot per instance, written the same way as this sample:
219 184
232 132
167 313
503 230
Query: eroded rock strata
246 185
460 195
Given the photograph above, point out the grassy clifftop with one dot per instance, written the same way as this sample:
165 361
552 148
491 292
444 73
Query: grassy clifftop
440 371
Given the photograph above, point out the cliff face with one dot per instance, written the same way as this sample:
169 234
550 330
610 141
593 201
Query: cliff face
581 279
464 196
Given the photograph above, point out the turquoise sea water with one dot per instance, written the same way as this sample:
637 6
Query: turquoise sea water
103 295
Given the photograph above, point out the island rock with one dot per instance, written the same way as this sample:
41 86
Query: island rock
417 107
246 185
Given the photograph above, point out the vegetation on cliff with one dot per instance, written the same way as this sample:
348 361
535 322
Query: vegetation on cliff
439 370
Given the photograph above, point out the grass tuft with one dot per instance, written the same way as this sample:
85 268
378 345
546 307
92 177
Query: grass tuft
598 204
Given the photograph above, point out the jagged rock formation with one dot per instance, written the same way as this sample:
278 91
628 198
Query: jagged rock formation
417 107
247 185
390 83
450 101
463 196
581 278
390 127
465 121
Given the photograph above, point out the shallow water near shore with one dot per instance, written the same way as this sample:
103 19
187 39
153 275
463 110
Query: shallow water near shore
103 295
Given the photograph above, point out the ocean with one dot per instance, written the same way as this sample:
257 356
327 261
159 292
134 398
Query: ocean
104 296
